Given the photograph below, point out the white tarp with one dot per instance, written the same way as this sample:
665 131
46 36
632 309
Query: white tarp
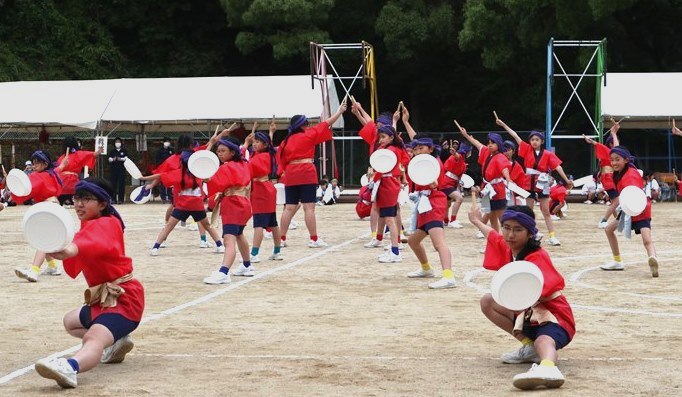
168 104
646 100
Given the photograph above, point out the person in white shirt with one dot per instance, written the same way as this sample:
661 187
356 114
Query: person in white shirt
651 188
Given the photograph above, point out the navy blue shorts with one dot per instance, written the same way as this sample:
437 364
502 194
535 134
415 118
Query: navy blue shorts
198 216
232 229
496 205
613 193
639 225
118 325
169 192
265 220
300 194
430 225
449 191
537 195
553 330
388 212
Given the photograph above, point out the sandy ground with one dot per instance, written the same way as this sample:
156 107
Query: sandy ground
336 322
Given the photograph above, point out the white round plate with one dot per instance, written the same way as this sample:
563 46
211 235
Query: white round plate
383 160
423 169
632 200
48 227
132 169
203 164
136 192
18 182
517 285
281 196
364 181
467 181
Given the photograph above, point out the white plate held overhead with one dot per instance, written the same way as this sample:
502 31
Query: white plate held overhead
203 164
132 169
48 227
466 181
423 169
383 160
517 285
632 200
138 196
18 182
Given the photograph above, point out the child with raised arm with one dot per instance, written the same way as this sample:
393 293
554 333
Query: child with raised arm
605 175
548 325
539 165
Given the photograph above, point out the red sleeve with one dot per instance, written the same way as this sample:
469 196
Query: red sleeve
320 132
368 133
200 147
553 160
497 252
483 154
259 165
169 164
526 152
171 178
603 154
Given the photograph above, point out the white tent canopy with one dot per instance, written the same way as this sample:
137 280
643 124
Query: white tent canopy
169 104
645 100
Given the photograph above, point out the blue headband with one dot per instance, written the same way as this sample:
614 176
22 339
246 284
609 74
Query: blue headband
524 220
537 134
102 195
623 152
45 158
422 141
263 137
185 155
509 145
385 120
496 139
464 148
296 123
387 129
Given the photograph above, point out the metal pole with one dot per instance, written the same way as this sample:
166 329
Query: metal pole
548 105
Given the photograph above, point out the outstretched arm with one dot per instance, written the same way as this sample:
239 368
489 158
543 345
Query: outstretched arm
342 108
511 132
359 112
676 131
569 183
614 132
216 136
474 142
406 121
476 218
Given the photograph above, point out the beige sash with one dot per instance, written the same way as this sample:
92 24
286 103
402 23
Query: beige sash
107 293
537 314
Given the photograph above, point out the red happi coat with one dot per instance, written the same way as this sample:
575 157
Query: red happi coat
544 161
631 177
234 209
491 168
188 198
263 193
300 146
101 258
43 186
77 161
498 254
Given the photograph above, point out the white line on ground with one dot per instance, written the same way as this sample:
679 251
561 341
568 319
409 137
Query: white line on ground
20 372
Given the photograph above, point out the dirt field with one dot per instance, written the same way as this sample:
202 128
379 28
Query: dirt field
336 322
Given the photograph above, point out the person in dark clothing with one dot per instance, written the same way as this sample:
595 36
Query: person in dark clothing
164 153
117 155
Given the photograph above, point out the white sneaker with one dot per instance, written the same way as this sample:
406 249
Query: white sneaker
443 283
57 369
220 250
254 258
613 265
267 235
421 273
27 274
539 375
317 244
218 277
203 244
244 271
539 236
524 354
587 202
154 252
602 225
479 234
373 243
293 225
51 271
163 245
390 257
116 353
554 218
554 241
455 225
276 257
403 238
284 244
482 250
653 265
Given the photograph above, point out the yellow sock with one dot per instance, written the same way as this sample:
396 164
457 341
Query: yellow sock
617 258
52 263
374 234
36 269
426 267
447 273
551 234
547 363
527 341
